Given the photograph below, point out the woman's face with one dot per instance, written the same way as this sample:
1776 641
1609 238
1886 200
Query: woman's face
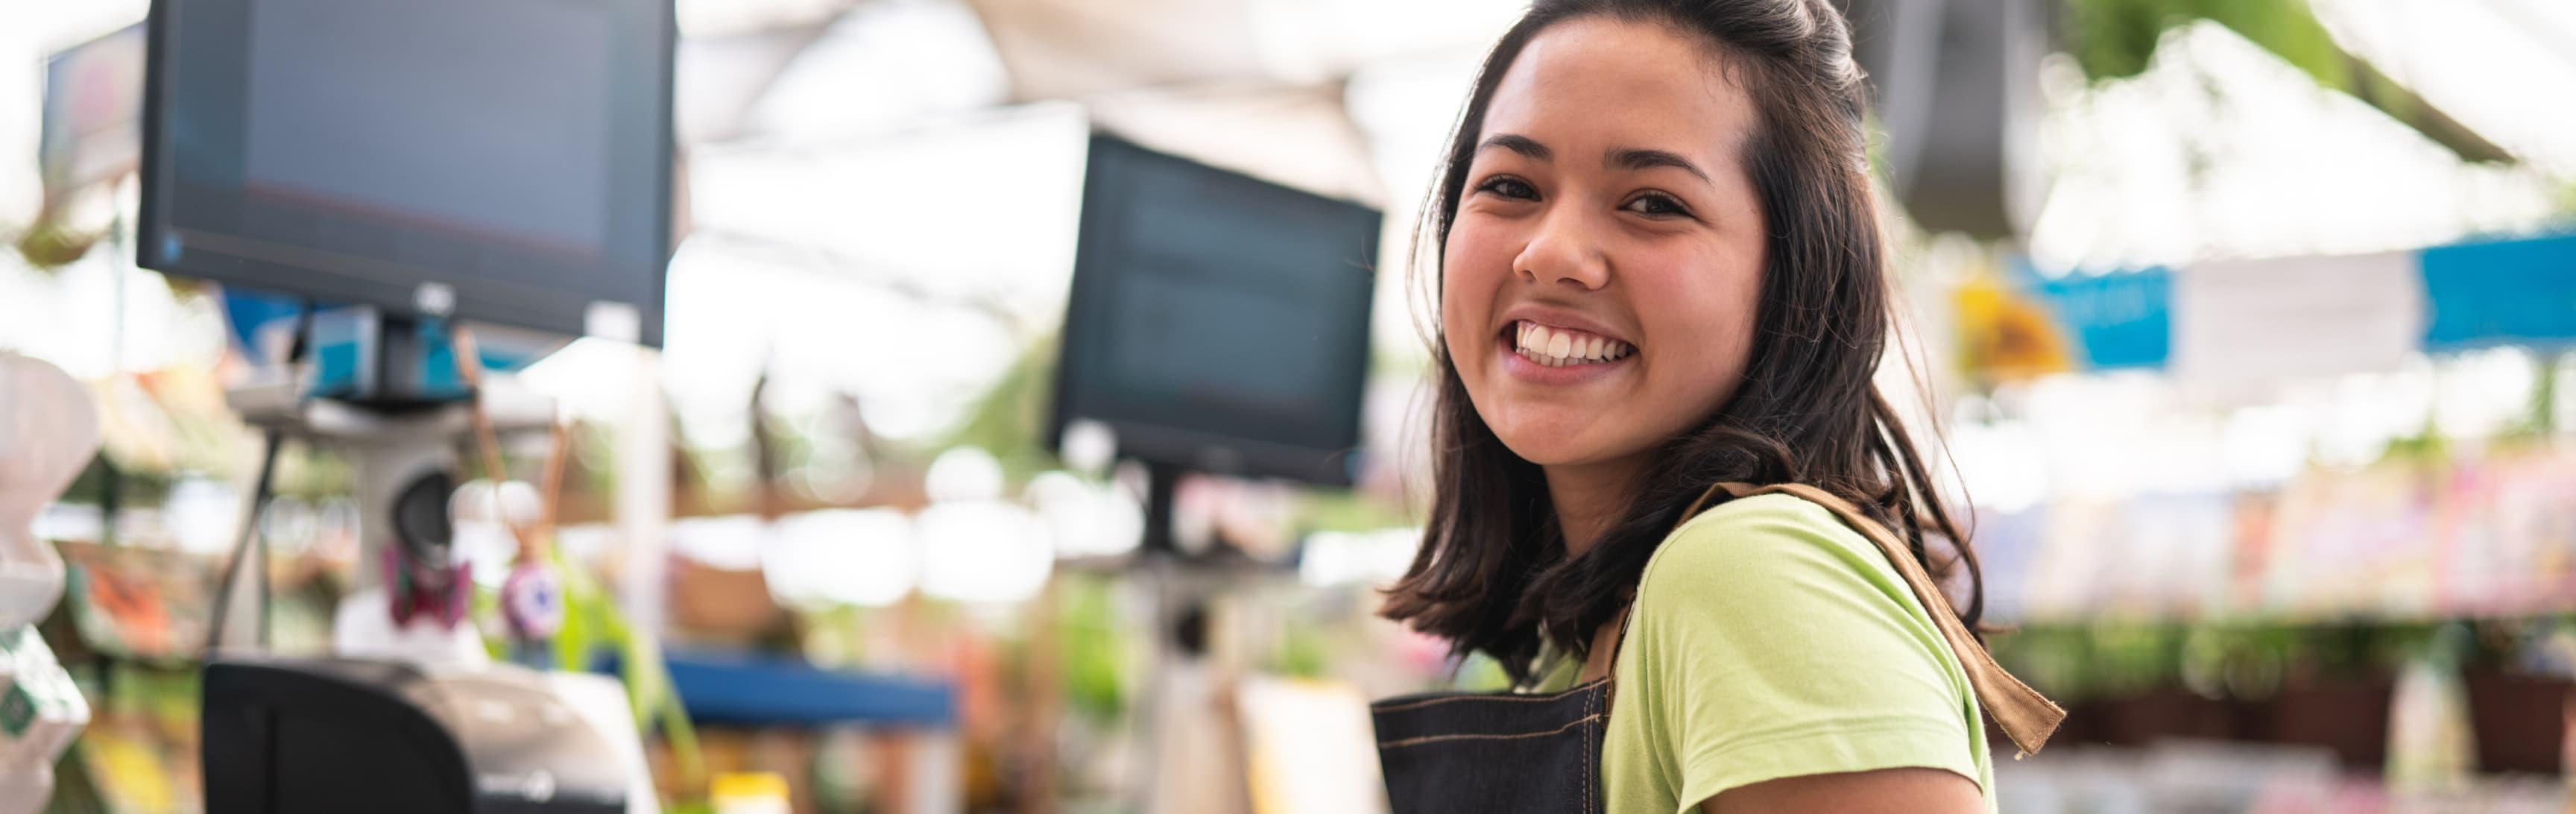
1600 279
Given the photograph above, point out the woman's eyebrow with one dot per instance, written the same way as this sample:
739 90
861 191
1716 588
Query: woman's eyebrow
1627 158
1639 159
1518 143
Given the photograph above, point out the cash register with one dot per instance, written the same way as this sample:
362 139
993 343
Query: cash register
385 171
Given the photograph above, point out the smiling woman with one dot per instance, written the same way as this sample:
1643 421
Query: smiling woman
1661 280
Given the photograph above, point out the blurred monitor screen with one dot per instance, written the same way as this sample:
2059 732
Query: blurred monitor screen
505 160
1217 322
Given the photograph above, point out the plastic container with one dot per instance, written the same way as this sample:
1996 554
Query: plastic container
48 430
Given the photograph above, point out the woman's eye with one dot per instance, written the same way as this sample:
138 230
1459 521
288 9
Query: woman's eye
1508 187
1656 205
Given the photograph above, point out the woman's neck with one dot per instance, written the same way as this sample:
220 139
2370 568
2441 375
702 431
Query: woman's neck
1588 498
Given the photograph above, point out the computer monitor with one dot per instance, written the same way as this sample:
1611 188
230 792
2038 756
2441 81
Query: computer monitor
1218 322
502 161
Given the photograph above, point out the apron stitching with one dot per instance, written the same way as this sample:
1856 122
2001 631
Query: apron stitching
1592 757
1555 696
1437 738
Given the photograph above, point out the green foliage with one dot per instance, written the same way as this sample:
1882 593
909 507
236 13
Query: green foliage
2424 447
1009 420
2116 39
50 245
1095 648
134 488
592 623
1304 652
313 472
2245 659
2539 421
2289 30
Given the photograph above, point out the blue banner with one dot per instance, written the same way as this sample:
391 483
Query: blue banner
2512 292
2118 320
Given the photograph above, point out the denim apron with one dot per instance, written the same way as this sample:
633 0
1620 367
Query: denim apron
1516 752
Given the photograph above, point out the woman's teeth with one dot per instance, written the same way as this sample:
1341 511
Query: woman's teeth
1558 347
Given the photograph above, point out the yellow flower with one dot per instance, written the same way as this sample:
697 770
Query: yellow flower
2005 335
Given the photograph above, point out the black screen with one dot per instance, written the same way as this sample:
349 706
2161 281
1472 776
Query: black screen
516 153
1217 321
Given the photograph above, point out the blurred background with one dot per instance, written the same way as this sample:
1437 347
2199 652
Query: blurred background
2244 326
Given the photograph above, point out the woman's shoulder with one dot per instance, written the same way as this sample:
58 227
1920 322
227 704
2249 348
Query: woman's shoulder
1759 539
1771 640
1780 582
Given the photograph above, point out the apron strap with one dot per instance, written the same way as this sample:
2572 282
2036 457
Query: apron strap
2025 716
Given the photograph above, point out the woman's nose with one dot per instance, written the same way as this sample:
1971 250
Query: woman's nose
1564 250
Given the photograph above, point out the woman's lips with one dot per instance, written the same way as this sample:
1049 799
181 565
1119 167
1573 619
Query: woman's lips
1543 370
1561 347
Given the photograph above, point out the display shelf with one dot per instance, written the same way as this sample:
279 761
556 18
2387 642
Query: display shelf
2486 537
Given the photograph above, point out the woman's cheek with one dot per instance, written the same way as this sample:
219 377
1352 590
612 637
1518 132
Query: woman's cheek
1470 285
1699 326
1475 257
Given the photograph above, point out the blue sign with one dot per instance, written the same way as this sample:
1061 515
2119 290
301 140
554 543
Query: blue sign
2514 292
2117 320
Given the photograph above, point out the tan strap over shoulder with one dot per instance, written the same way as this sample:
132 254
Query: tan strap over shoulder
2025 716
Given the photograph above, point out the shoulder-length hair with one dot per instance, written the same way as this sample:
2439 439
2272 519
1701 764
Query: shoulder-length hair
1492 574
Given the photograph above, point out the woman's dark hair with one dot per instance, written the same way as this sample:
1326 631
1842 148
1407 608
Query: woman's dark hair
1492 574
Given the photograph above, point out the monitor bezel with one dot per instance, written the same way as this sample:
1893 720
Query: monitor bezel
1193 449
570 315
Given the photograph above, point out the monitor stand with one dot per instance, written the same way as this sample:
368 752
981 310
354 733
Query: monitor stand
407 596
400 426
1189 660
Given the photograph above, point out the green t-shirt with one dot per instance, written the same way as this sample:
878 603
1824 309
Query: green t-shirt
1770 640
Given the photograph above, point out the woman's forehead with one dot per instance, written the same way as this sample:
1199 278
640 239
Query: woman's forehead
1592 84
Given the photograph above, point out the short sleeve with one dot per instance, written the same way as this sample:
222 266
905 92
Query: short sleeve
1769 641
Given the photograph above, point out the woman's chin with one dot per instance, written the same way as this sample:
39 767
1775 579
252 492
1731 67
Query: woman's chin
1552 443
